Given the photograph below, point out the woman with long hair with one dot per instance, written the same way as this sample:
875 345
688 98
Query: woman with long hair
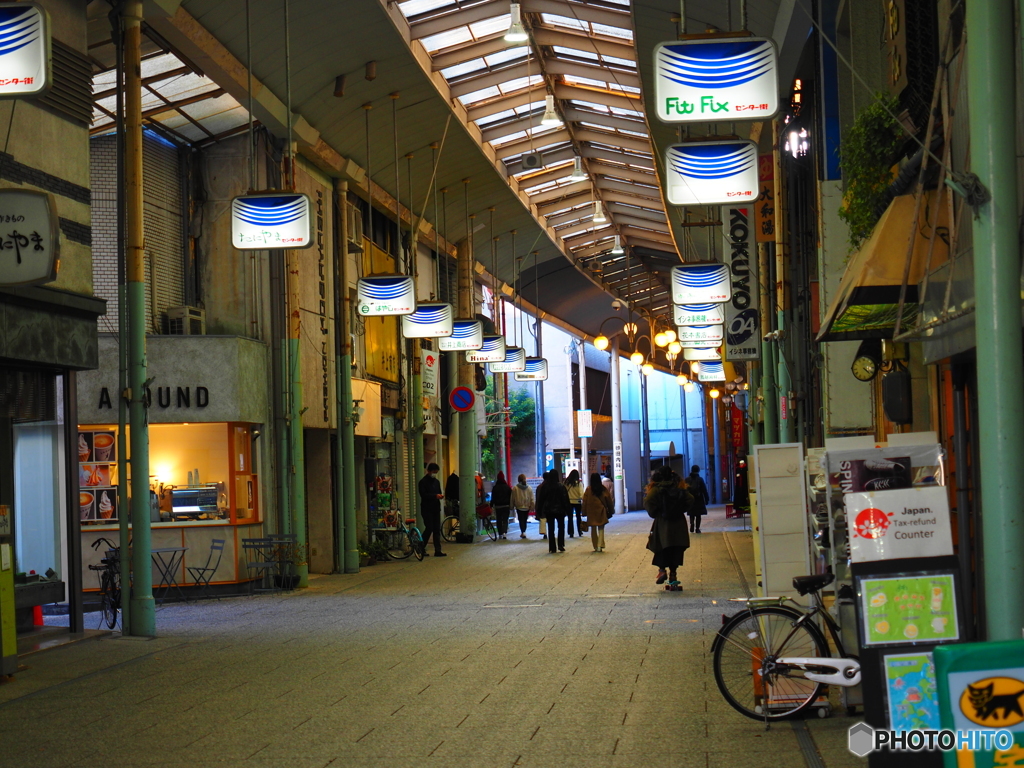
598 507
501 496
575 489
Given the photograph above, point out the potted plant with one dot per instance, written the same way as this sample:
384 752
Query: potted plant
378 550
365 558
288 555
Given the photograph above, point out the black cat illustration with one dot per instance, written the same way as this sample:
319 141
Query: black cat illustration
987 705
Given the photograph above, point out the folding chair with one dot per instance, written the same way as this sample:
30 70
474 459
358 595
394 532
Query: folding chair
202 575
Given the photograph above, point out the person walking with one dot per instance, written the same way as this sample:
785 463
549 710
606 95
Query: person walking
695 485
501 495
598 508
553 503
522 503
430 508
666 502
575 489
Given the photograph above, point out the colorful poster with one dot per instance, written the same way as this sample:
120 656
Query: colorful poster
917 608
912 695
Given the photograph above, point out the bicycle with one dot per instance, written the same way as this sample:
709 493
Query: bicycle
402 538
772 661
485 515
450 525
110 581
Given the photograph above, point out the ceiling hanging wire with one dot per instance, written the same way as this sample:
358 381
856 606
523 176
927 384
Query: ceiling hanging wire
288 95
437 225
494 269
252 125
398 197
369 170
516 298
447 274
412 223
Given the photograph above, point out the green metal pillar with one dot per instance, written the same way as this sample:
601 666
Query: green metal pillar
467 421
990 68
769 393
415 405
755 428
142 608
297 456
786 432
346 464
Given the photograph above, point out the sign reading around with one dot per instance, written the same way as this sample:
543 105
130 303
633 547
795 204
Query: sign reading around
890 525
29 238
742 321
24 50
716 79
271 220
700 284
466 335
711 173
536 370
385 295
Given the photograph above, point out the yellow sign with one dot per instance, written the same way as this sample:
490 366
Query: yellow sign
995 702
381 333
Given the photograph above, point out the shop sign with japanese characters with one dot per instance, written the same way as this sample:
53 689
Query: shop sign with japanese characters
700 284
716 79
466 335
491 351
24 50
270 220
29 237
711 172
429 321
697 314
711 371
536 370
514 362
764 206
385 295
742 321
702 353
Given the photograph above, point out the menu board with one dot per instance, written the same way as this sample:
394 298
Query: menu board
912 692
915 608
97 477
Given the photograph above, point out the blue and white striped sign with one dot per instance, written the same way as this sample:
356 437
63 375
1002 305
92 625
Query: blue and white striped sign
491 351
711 173
270 220
702 353
710 80
385 295
536 370
429 321
514 362
703 333
24 50
711 371
698 314
466 335
700 284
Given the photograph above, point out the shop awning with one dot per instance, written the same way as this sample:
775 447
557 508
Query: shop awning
867 301
663 450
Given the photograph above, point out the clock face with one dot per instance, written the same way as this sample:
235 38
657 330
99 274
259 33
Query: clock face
864 368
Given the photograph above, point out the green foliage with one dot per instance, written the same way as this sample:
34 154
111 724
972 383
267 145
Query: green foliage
522 418
379 550
866 155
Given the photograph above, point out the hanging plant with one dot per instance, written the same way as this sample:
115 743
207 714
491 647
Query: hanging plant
867 154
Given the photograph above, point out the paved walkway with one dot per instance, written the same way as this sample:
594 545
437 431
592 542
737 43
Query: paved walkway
498 655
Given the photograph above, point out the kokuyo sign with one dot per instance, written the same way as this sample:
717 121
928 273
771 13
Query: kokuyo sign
742 322
890 525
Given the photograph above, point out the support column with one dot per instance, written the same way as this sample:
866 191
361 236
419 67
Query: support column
717 477
346 469
755 428
297 457
615 389
142 608
584 442
568 405
467 421
990 67
541 428
786 424
415 404
769 393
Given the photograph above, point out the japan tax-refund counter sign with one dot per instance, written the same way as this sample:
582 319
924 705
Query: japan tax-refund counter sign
981 699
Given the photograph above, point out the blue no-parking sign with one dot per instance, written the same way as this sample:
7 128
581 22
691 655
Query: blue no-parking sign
462 399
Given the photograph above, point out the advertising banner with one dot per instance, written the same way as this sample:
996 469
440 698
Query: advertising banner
742 320
890 525
764 206
271 220
584 423
429 371
711 173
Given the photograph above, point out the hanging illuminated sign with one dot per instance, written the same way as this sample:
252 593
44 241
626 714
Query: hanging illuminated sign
711 173
700 284
742 320
385 295
711 371
536 370
271 220
24 50
702 353
514 362
703 333
491 351
697 314
466 335
716 79
30 238
429 321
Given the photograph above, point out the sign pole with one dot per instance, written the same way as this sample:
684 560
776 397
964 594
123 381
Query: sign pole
618 484
467 421
584 440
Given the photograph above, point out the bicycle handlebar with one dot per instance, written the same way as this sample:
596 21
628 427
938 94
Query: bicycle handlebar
101 539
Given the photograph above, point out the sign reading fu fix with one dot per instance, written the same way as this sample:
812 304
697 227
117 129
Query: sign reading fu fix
742 321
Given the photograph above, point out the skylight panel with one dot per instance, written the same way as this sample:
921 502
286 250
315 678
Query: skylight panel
155 65
591 105
508 54
564 21
519 83
625 112
463 69
576 80
482 94
503 140
628 63
416 7
495 118
490 26
604 29
447 39
576 52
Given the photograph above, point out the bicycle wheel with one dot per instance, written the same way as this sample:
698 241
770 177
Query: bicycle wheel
489 529
745 655
107 602
399 545
450 528
416 540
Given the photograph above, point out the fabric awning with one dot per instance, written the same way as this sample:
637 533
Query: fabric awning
866 303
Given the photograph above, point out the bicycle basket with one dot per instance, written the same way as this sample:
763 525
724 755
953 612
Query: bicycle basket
484 511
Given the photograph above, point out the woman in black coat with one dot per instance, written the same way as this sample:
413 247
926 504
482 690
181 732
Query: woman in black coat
553 503
695 485
501 496
666 502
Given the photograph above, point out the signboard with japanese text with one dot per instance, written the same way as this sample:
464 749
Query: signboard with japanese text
429 321
764 206
430 364
891 525
715 80
385 295
466 335
536 370
703 333
711 172
491 351
514 362
700 284
617 461
711 371
702 353
271 220
29 237
739 426
24 50
742 320
584 423
697 314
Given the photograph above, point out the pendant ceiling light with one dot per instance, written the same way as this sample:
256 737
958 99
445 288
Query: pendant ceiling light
577 170
550 117
599 217
617 248
516 31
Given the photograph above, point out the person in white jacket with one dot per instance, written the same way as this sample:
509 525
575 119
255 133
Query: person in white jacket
522 502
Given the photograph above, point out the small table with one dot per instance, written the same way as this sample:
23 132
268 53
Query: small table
167 560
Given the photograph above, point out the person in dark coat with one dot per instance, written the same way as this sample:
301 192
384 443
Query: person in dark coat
451 494
695 485
553 503
430 508
501 498
666 502
740 493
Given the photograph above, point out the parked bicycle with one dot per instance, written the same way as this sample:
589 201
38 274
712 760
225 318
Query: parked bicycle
485 516
772 661
450 525
110 581
401 537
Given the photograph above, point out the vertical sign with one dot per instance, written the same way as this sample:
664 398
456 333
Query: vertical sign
617 461
742 320
429 372
584 423
738 427
896 44
764 207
